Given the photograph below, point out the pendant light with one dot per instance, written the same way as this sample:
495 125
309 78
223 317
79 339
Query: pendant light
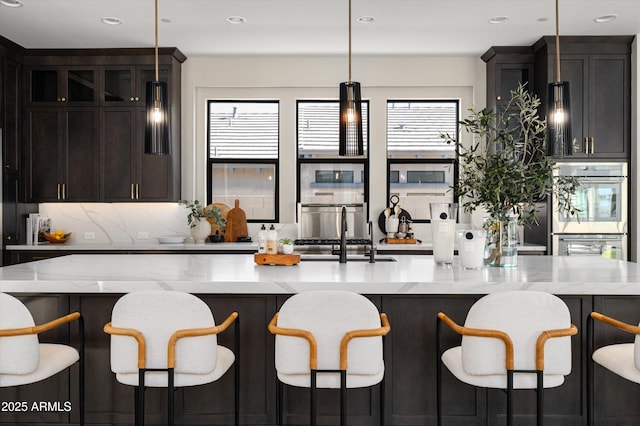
351 142
558 109
156 135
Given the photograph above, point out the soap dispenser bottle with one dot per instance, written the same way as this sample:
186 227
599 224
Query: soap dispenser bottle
262 240
272 241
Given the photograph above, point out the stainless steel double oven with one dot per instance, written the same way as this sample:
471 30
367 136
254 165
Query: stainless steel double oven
600 228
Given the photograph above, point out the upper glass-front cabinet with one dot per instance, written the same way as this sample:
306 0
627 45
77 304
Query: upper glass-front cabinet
128 84
62 85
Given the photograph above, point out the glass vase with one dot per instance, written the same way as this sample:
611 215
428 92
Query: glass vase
502 241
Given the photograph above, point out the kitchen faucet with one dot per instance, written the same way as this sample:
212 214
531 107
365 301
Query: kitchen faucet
372 254
343 235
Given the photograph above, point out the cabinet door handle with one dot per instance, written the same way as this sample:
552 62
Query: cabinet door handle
64 191
64 99
137 98
132 191
585 143
137 192
131 99
593 145
58 191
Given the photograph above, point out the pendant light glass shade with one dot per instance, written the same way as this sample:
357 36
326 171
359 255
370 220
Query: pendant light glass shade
559 142
156 135
351 140
559 119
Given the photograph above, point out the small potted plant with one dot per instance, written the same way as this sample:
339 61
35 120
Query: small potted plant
201 229
287 245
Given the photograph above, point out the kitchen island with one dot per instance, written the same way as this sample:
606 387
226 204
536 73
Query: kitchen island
410 289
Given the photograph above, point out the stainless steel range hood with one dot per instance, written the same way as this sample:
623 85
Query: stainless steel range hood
322 221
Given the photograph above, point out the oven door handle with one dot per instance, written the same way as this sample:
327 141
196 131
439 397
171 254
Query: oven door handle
600 181
578 240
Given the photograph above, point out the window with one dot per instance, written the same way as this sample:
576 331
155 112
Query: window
323 176
243 156
421 167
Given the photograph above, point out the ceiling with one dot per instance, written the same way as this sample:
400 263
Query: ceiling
309 27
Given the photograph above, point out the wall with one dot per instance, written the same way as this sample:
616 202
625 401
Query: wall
291 78
285 79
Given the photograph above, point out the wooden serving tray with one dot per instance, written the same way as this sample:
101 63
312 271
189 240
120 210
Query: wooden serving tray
400 241
277 259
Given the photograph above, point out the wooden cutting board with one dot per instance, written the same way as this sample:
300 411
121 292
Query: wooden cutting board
236 224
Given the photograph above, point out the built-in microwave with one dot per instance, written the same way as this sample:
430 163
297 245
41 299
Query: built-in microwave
602 199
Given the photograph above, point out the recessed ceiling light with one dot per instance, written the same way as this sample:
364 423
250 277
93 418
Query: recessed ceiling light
236 20
498 19
110 21
11 3
605 18
365 19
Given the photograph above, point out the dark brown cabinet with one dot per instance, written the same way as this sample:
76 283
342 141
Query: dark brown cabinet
599 73
507 67
84 126
125 85
51 85
62 146
10 132
130 174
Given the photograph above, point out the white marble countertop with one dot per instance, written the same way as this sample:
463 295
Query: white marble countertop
154 245
238 274
142 246
429 246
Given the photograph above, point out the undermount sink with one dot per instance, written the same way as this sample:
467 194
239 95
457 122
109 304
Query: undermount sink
332 258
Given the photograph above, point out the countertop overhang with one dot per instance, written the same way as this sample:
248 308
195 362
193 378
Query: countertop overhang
238 274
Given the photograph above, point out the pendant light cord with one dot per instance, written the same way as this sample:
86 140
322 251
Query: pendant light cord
349 40
156 49
557 44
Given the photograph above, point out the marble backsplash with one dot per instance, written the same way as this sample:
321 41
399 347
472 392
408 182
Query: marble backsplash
127 223
123 223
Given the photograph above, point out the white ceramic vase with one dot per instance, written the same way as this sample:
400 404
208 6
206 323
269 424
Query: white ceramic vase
201 231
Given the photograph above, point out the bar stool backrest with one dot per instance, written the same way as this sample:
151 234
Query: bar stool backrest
636 351
328 315
158 314
523 315
18 354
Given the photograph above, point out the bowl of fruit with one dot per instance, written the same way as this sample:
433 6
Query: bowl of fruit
57 237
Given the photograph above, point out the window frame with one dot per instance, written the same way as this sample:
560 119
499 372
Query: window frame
267 161
425 160
364 159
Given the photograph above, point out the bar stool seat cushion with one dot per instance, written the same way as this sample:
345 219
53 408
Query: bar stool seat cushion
452 358
225 359
331 381
619 359
53 358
